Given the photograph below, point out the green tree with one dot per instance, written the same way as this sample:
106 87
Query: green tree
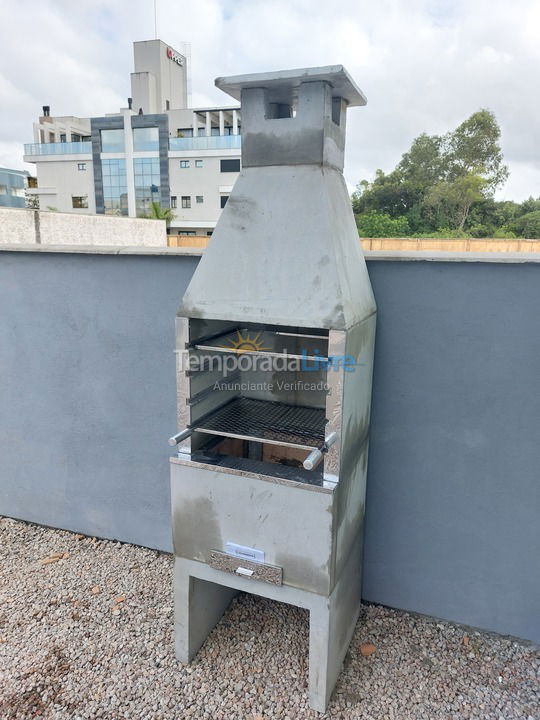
488 216
503 234
441 179
159 213
527 226
473 148
529 205
374 224
456 197
423 165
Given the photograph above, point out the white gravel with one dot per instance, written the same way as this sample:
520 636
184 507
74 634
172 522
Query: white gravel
90 635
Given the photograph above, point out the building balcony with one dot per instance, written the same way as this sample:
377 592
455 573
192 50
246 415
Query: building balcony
63 148
202 142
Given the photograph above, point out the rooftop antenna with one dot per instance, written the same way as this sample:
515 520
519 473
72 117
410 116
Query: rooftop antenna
155 19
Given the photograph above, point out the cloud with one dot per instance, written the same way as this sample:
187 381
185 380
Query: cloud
425 65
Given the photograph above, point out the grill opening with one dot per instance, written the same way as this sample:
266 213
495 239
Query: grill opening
257 393
260 458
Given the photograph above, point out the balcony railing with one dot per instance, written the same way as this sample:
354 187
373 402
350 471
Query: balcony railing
63 148
214 142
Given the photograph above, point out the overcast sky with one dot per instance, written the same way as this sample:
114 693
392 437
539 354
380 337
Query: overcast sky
425 65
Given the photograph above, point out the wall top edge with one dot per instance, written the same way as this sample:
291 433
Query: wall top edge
370 255
449 256
101 249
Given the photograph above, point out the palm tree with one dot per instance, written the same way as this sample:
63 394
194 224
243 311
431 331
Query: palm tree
157 212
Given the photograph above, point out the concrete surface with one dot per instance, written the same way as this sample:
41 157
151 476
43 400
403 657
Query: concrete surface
321 283
202 594
54 228
87 402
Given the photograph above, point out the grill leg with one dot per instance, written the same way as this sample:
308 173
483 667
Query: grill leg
199 604
332 622
198 607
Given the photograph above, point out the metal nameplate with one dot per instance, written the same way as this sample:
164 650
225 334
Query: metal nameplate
245 568
244 553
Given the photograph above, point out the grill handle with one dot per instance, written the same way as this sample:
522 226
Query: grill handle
315 456
175 439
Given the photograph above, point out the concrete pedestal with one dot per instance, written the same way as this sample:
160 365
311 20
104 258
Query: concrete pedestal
202 594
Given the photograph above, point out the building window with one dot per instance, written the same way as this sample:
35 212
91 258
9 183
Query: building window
75 137
187 232
230 165
186 202
147 184
114 187
62 137
184 132
199 198
214 131
173 202
81 166
223 200
112 141
198 163
184 163
145 139
51 137
79 201
167 105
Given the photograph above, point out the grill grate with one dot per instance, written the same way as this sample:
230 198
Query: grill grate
267 421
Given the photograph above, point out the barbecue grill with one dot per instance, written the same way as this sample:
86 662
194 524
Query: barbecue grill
275 338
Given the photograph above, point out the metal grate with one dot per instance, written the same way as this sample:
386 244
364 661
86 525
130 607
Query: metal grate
268 343
267 421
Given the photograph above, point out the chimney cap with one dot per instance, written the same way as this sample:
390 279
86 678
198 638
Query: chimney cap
287 82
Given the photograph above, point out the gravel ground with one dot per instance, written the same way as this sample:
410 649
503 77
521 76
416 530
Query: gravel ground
89 634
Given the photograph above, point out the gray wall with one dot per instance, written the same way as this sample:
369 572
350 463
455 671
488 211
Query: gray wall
453 507
87 398
87 403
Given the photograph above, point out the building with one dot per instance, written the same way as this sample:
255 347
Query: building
13 184
156 150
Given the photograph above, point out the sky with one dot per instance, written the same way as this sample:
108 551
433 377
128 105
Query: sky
425 65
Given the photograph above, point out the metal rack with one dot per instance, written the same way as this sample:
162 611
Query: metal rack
267 342
266 421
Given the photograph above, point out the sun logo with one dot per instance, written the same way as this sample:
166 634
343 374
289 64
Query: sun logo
246 343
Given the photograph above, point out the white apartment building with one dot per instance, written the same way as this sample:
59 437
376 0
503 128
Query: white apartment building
156 150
